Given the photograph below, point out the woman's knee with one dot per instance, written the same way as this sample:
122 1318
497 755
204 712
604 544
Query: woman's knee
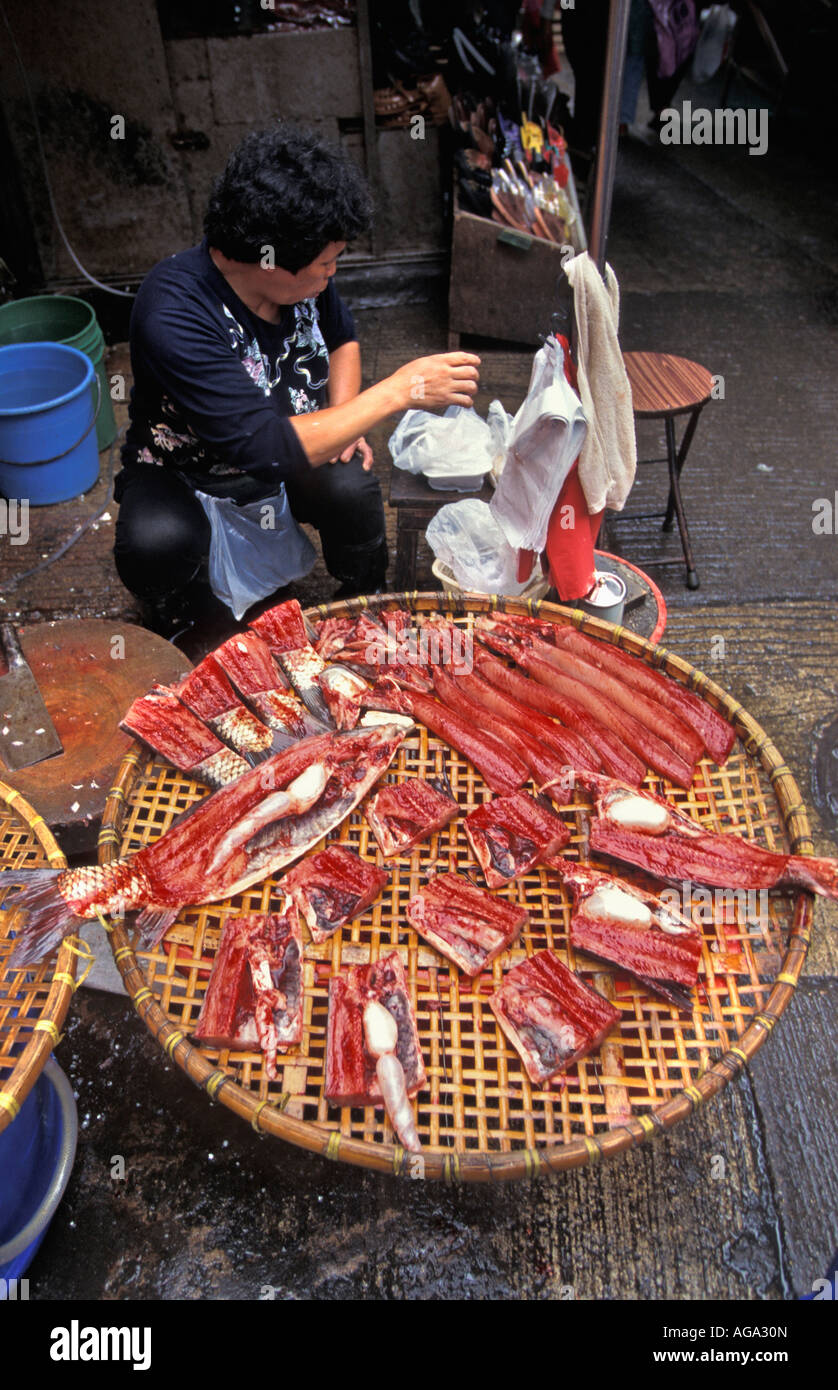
162 534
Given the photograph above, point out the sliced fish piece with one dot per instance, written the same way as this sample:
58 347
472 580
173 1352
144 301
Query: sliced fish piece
465 923
169 728
551 1017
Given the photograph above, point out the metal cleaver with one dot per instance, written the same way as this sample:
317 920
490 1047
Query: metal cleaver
27 734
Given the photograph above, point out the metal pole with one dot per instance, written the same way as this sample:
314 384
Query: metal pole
368 114
609 121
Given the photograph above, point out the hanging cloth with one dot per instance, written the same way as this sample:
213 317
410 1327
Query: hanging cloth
608 460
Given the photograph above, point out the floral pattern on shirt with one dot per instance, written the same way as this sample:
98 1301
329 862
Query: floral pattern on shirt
304 350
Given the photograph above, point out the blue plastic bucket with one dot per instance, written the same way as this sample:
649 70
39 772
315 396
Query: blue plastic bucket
36 1158
48 447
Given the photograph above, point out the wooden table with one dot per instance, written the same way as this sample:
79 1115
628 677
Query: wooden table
416 503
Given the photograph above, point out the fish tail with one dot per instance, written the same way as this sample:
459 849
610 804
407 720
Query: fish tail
817 875
49 918
57 900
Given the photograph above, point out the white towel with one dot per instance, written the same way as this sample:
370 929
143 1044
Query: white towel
609 455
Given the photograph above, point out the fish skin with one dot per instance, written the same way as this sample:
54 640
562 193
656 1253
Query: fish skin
246 659
209 694
170 728
177 869
303 668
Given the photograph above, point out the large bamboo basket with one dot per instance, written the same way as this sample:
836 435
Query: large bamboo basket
34 1001
479 1117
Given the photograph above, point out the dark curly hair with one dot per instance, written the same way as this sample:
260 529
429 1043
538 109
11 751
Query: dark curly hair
286 188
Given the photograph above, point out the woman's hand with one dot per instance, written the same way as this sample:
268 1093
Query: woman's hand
360 446
449 378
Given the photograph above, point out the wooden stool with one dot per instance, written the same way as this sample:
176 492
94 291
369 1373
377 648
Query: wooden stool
416 502
663 387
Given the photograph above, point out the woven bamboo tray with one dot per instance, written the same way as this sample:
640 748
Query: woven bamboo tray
34 1001
479 1117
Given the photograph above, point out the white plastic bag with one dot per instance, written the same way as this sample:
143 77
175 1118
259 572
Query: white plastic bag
546 437
466 537
255 549
714 41
500 428
453 450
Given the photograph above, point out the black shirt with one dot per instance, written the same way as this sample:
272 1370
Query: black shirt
214 383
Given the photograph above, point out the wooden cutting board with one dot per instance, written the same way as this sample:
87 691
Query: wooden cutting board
89 671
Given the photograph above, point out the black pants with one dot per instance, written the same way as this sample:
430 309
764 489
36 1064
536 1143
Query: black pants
163 535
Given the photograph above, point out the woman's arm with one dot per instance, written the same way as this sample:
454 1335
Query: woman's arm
344 373
447 379
344 385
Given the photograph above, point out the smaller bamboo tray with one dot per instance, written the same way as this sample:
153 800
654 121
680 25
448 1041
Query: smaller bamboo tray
33 1001
479 1118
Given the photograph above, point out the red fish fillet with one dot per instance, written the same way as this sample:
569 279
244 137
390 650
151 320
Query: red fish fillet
629 730
377 648
503 771
386 694
350 1069
255 994
570 746
550 1016
468 925
282 627
168 727
349 637
642 829
541 761
510 834
635 930
717 735
610 749
208 693
242 834
332 887
402 815
649 712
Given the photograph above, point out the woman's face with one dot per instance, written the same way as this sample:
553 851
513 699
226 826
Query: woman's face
265 290
281 287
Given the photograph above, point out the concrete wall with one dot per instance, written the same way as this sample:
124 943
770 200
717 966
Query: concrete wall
127 202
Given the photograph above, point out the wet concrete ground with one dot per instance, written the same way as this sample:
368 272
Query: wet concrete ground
732 260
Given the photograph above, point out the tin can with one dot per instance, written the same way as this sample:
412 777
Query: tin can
606 599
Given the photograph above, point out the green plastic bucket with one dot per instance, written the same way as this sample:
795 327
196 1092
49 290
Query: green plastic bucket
59 318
